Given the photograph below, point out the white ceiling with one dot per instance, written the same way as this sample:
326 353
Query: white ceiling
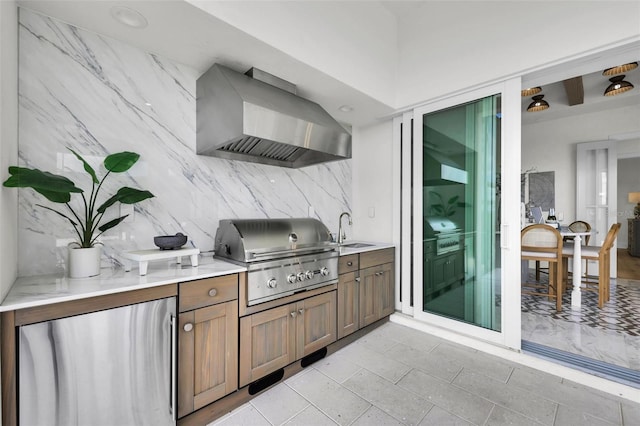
181 32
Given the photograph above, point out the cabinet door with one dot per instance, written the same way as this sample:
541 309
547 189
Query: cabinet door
348 304
267 342
316 323
208 351
387 290
369 296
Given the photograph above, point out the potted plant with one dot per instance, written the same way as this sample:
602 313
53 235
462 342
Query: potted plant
84 254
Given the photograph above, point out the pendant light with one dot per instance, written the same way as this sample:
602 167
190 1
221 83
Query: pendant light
618 85
620 69
530 91
538 104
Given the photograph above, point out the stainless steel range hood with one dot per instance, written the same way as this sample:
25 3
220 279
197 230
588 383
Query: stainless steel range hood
242 117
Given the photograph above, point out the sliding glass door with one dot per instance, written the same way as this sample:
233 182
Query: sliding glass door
461 236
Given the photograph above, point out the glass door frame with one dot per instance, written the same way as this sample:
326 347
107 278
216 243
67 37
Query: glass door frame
509 335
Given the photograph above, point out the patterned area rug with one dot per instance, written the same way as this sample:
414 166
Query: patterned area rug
621 313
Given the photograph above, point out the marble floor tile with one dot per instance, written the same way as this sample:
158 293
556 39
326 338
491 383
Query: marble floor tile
443 367
337 366
606 334
440 417
310 416
478 361
502 416
244 415
376 362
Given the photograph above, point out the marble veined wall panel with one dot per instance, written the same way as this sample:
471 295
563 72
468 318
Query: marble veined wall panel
99 96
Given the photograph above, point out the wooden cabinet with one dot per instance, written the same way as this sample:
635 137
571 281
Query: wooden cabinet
348 304
274 338
207 341
366 290
634 237
446 270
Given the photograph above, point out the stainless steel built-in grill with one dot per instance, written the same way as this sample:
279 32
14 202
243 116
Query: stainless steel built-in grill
445 232
282 256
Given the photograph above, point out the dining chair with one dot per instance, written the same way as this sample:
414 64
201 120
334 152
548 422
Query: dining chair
579 226
600 254
542 242
575 226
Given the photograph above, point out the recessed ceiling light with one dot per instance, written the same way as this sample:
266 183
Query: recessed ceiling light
346 108
129 17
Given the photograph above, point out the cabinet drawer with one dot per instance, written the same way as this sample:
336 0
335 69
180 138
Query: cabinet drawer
377 257
196 294
348 263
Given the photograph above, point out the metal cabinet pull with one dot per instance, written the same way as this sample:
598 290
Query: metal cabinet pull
358 279
293 314
349 263
188 327
213 292
301 311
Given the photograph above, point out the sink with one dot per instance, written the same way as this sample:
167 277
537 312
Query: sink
356 245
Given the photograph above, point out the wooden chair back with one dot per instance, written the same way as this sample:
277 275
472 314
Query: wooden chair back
580 226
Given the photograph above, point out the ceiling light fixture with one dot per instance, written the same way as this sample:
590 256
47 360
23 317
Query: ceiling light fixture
617 86
620 69
538 104
129 17
530 91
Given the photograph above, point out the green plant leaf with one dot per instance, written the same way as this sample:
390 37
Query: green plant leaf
125 195
111 223
121 161
87 167
453 199
61 214
53 187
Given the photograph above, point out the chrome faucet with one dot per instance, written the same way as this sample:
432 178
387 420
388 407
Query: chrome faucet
341 234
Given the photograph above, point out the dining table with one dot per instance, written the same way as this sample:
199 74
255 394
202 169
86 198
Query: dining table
576 294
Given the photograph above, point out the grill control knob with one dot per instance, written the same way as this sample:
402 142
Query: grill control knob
309 274
272 283
324 272
301 276
291 278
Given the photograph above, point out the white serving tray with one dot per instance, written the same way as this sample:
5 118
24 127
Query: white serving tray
143 257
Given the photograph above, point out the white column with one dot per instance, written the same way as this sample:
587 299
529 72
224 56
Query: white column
576 295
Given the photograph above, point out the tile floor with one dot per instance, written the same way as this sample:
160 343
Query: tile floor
610 334
396 375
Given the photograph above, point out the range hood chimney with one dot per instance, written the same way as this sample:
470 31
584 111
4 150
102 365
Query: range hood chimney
246 117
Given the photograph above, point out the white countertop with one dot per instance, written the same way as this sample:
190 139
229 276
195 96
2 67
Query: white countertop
42 290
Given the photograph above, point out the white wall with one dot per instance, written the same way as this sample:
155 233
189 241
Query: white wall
372 175
551 146
8 141
448 46
628 181
354 42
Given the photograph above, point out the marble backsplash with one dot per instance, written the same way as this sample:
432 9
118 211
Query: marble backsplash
99 96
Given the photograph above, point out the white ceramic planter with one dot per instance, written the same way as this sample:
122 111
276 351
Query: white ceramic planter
84 262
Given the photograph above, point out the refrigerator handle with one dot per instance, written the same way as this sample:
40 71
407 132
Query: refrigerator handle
174 367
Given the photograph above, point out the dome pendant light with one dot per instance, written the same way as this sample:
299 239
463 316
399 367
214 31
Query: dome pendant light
617 86
538 104
620 69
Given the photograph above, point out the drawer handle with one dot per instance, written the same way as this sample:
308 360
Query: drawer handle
358 279
213 292
349 263
301 311
188 327
293 314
